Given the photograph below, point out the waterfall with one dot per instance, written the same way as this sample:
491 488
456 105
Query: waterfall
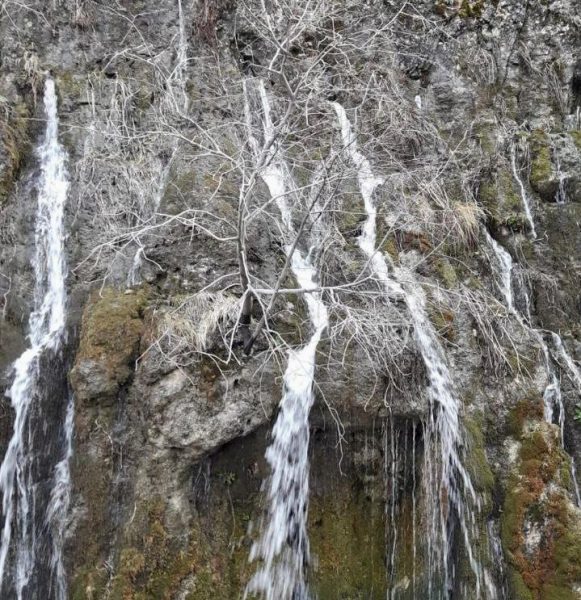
554 409
523 193
46 333
444 428
283 546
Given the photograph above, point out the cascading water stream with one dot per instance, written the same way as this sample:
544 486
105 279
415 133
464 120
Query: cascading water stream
575 377
523 193
58 508
505 266
554 409
561 193
283 546
21 534
552 394
444 428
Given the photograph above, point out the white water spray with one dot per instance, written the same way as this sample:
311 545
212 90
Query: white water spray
554 409
504 268
444 428
283 546
58 507
46 331
523 193
561 194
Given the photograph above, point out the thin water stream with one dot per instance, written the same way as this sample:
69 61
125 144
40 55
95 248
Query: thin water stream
554 409
283 546
523 193
443 432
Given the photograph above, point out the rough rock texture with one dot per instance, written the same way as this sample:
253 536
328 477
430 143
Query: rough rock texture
171 426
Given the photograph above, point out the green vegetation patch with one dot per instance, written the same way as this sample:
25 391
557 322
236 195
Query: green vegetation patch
501 199
545 564
111 331
541 176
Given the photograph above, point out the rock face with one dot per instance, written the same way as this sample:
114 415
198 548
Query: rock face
469 112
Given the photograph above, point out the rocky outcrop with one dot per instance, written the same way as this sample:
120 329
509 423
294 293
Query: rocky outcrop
111 332
458 102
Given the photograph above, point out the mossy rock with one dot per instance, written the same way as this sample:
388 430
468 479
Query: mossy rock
485 132
348 547
500 197
111 331
540 527
471 10
446 272
467 9
476 459
527 411
71 85
389 246
543 179
443 320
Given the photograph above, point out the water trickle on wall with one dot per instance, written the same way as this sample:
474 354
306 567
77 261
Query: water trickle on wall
283 546
554 409
561 193
575 376
58 507
444 473
26 534
523 193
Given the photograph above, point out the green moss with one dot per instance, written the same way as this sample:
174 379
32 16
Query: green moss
541 164
70 84
154 567
445 272
443 321
180 190
485 133
501 199
348 547
89 583
526 410
470 9
111 331
476 459
351 216
143 97
535 497
488 194
390 247
518 588
507 185
92 477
